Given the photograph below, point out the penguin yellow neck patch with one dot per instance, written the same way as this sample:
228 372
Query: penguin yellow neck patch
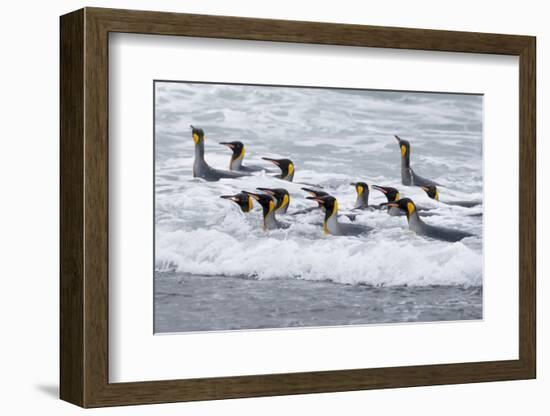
403 150
285 201
397 197
410 207
334 212
436 197
290 169
196 138
249 203
241 155
360 190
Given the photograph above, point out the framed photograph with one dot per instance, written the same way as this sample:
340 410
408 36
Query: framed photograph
255 207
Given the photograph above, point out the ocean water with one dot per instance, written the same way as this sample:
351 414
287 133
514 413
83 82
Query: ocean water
334 137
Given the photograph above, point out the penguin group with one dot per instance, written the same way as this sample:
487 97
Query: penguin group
276 201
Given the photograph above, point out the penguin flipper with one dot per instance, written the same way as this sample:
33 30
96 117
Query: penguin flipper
351 217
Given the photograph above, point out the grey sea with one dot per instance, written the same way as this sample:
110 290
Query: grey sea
216 269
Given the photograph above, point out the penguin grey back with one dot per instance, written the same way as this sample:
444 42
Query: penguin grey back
421 228
201 169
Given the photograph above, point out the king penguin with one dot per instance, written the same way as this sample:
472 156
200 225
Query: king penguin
408 177
237 156
268 209
331 225
241 199
282 198
417 225
392 195
315 193
432 192
362 190
201 169
286 166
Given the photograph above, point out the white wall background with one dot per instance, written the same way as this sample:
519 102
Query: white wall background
29 84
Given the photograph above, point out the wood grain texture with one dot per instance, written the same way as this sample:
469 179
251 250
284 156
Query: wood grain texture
71 213
528 207
84 207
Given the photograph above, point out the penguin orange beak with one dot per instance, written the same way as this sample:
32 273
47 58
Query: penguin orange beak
391 204
425 188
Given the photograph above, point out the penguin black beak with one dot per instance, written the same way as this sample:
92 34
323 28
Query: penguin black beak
231 146
391 204
271 160
314 198
353 183
397 138
309 191
379 188
230 197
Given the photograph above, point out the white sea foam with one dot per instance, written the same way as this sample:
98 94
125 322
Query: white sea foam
377 261
334 138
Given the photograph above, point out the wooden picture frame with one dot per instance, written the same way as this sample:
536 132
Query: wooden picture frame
84 207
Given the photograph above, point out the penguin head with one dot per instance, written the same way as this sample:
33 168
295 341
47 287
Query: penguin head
432 192
392 194
405 147
267 202
361 188
286 166
237 148
329 203
198 135
404 204
243 200
281 195
315 193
